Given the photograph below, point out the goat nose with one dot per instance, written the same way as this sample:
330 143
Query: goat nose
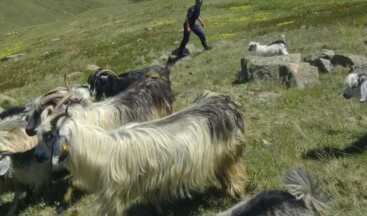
30 132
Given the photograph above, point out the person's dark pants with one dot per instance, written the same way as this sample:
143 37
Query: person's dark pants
186 36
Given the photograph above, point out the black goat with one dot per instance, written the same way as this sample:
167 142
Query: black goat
106 83
15 110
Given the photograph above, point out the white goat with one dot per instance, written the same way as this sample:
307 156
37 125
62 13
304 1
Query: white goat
355 85
275 48
155 161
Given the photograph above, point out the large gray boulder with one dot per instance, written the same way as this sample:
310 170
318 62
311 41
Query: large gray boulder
324 65
299 75
266 68
348 60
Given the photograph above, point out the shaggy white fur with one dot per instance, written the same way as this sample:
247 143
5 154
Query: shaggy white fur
155 161
355 85
275 48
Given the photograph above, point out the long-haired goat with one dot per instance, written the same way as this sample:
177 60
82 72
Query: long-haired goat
302 198
154 161
18 166
355 83
276 48
149 99
44 105
106 83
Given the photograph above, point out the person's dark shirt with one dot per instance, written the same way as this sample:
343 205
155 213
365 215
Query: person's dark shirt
193 14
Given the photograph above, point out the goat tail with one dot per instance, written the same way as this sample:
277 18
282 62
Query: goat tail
300 184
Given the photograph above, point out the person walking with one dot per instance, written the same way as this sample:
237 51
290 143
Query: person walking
189 25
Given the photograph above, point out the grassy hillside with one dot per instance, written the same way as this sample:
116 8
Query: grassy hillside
23 13
315 129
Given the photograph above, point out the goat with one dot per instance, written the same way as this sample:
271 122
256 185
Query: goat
149 99
301 198
276 48
44 105
355 84
154 161
18 167
105 83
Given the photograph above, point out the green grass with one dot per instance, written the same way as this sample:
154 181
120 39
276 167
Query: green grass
315 129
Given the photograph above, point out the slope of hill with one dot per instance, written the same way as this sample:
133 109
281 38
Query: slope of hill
23 13
281 132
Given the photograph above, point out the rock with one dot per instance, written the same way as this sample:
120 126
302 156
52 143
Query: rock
266 68
1 110
92 68
140 40
299 75
311 58
55 39
348 60
7 102
15 56
327 54
323 65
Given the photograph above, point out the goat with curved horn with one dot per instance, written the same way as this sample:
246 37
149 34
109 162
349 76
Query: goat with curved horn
106 83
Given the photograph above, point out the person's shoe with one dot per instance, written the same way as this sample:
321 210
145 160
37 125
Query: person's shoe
208 48
181 55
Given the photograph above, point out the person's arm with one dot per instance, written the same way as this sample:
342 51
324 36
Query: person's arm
188 29
201 22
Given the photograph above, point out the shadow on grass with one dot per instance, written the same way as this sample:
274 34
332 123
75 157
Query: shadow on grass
52 198
328 153
186 207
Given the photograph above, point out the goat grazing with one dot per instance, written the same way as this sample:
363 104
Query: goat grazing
302 198
106 83
155 161
18 166
276 48
355 84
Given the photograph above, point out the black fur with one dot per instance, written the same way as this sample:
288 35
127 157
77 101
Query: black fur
16 110
113 85
267 201
278 42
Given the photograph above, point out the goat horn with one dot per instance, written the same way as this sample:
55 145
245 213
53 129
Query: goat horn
113 73
50 97
62 101
66 83
67 109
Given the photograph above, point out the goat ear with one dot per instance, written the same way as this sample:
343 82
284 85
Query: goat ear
363 88
4 165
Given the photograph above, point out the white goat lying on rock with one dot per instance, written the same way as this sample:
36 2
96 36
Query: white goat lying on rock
276 48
